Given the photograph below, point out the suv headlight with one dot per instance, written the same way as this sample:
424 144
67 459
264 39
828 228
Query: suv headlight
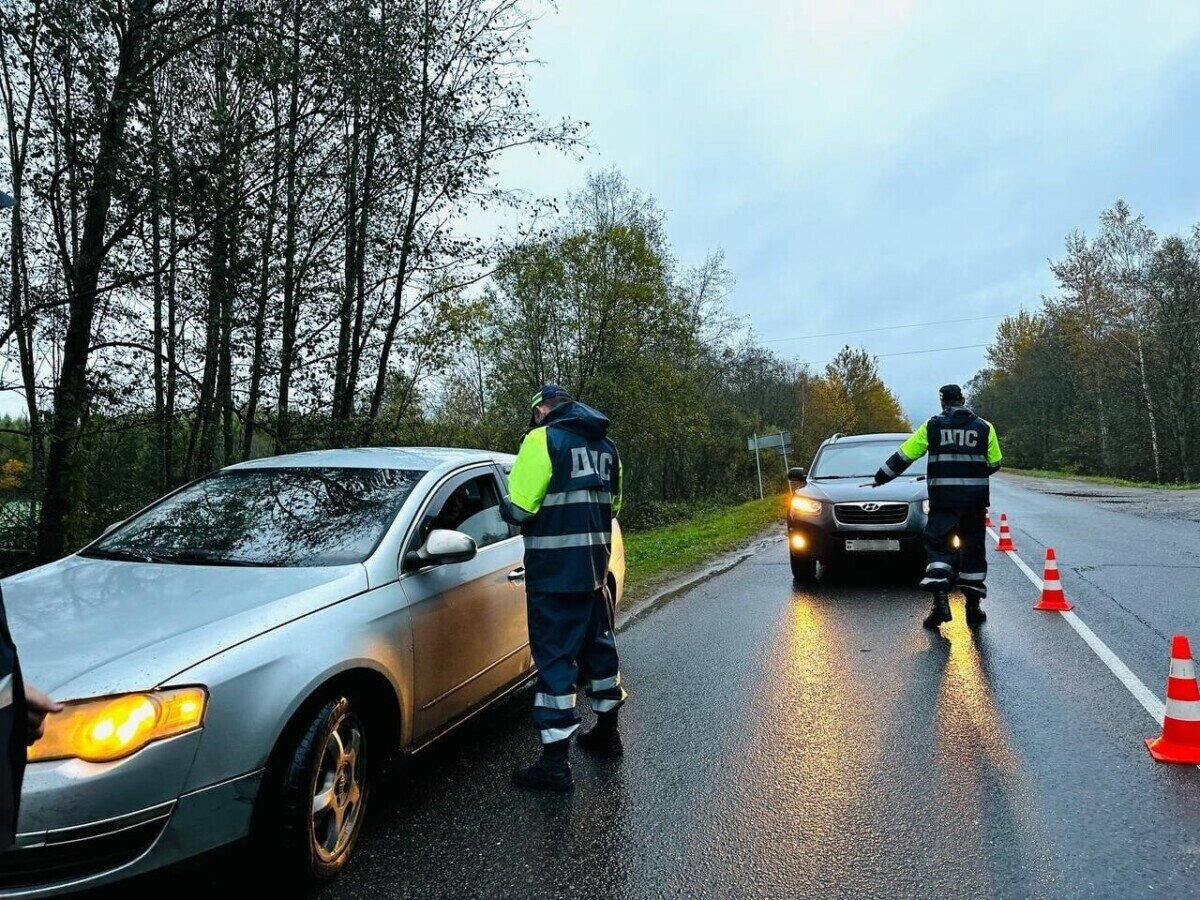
925 507
806 506
115 727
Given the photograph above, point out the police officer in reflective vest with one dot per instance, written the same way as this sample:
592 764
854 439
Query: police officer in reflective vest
963 452
23 709
564 489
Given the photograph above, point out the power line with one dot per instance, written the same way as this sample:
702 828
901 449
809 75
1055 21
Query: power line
807 337
905 353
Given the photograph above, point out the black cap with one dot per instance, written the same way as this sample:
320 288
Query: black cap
951 393
549 392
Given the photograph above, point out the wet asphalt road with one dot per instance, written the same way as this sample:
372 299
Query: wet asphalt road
787 742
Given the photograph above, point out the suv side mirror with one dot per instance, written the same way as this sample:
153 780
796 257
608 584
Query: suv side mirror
442 547
796 474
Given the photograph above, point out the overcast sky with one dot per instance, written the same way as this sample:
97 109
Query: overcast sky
868 163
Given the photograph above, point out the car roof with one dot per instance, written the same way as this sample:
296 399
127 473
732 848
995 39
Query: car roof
865 438
419 458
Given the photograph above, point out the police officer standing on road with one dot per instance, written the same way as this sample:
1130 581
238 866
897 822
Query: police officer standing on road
963 453
23 710
564 489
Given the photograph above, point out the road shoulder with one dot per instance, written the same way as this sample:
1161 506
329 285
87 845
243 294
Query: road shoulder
1163 504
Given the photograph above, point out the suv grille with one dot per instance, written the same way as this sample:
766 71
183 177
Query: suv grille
877 514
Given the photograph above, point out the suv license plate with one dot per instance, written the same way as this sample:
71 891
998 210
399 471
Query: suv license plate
874 546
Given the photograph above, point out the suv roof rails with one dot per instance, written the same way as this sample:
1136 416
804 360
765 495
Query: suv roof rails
834 439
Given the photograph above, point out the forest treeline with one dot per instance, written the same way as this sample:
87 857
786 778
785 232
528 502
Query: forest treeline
1104 378
242 227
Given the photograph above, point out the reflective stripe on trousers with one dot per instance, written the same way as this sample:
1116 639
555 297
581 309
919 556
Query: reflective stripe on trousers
554 701
554 735
606 693
6 691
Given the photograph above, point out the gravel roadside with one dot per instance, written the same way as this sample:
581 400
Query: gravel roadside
1149 503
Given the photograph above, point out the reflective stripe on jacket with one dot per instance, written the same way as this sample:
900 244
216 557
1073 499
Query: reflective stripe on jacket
566 487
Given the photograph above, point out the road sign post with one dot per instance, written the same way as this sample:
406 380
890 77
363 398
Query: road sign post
780 441
757 465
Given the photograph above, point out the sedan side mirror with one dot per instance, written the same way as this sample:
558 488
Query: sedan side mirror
796 474
442 547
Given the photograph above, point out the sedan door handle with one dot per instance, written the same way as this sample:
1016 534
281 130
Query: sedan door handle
517 574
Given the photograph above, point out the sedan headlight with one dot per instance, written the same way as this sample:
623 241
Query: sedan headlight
115 727
806 506
925 507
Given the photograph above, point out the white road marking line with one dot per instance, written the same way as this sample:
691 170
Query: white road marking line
1124 674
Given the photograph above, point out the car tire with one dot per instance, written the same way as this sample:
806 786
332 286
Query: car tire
317 797
804 569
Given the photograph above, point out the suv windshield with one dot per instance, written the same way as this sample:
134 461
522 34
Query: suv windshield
858 460
266 517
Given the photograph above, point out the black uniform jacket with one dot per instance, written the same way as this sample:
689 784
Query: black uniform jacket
12 733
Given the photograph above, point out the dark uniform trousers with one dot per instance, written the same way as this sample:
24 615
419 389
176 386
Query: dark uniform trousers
947 566
571 637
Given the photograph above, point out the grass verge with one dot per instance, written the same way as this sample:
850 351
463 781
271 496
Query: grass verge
1100 479
656 553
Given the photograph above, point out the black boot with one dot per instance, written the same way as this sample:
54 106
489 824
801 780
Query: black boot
940 612
975 613
603 738
552 772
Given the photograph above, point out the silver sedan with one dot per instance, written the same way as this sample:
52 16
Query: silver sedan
240 656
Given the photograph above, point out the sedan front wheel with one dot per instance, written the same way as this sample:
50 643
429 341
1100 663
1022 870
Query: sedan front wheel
320 795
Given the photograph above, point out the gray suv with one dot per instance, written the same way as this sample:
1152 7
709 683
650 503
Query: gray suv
835 515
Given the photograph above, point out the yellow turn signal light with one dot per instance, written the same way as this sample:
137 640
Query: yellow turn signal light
806 506
115 727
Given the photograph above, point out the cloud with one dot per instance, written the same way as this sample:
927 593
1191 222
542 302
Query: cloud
867 162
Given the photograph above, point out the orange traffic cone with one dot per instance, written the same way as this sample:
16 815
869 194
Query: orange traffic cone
1005 543
1053 598
1180 740
987 518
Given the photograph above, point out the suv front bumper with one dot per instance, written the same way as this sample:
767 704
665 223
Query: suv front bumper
824 537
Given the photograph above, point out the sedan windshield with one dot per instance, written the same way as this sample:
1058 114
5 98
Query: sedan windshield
858 460
266 517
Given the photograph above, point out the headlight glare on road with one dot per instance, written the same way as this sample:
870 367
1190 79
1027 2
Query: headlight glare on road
115 727
806 506
925 507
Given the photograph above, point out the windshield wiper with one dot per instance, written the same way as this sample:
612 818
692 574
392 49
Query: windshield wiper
123 555
203 559
186 558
